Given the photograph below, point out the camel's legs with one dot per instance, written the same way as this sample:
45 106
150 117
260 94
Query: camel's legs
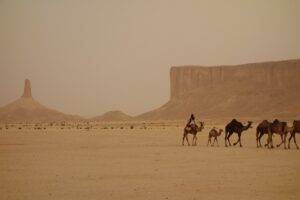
195 140
292 133
294 136
228 138
217 141
284 140
187 139
213 143
281 136
183 139
208 141
269 140
259 138
238 140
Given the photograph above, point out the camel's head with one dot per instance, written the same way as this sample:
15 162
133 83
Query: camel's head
220 131
250 124
201 125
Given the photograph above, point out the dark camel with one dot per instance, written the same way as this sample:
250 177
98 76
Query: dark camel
279 128
213 133
293 130
261 129
235 127
192 130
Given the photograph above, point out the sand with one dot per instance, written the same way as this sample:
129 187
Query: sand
141 164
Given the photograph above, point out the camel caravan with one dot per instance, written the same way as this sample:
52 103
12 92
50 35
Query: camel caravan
264 128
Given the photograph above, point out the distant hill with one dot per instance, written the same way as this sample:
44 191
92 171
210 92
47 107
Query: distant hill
26 109
113 116
256 90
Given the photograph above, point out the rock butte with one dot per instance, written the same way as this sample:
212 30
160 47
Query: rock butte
27 89
26 109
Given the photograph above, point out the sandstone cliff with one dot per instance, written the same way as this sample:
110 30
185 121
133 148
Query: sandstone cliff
257 90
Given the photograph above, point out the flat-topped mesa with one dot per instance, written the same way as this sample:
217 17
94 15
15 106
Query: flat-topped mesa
27 89
253 91
280 74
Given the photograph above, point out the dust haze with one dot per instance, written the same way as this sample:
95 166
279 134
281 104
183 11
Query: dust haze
87 58
151 100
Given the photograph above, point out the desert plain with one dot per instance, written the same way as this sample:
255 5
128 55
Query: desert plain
140 161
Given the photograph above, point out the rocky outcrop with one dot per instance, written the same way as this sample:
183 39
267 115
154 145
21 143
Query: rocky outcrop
26 109
27 89
113 116
257 90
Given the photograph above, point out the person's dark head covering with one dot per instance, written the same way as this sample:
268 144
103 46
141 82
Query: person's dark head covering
192 116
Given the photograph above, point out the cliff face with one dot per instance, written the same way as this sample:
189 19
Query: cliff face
258 90
261 75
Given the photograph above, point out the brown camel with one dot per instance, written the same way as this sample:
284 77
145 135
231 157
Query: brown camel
293 130
192 130
235 127
213 133
261 129
279 128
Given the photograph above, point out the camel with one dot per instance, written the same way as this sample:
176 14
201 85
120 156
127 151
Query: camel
279 128
192 130
261 129
235 127
293 130
213 133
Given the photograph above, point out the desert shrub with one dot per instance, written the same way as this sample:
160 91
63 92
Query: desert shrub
121 127
131 127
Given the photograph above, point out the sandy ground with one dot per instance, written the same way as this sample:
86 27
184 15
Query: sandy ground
141 164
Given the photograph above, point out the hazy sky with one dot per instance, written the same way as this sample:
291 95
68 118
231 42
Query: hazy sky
89 57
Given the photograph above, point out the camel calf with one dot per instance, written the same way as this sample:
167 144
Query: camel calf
213 133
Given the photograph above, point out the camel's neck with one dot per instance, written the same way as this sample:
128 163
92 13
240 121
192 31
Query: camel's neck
247 127
200 127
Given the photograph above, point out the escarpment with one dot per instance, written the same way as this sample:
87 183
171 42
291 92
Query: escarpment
269 89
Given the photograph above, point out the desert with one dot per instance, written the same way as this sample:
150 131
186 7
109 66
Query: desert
158 100
140 161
